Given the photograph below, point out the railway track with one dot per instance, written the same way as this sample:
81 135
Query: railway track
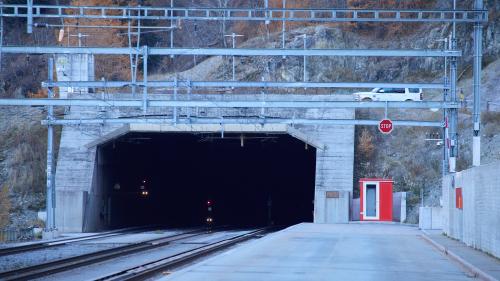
40 270
156 267
60 242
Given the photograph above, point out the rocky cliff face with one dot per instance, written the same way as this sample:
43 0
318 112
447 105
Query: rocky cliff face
22 166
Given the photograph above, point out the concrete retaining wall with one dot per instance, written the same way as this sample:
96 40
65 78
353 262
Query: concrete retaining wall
79 161
478 223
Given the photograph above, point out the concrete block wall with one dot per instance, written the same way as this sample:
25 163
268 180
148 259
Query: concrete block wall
399 206
478 223
430 218
355 215
331 209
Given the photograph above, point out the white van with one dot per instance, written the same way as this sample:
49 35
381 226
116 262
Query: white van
390 94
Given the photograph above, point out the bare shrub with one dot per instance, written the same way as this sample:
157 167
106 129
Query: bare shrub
4 206
491 117
365 145
386 29
26 172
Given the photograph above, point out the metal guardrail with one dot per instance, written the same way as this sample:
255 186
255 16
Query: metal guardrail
16 235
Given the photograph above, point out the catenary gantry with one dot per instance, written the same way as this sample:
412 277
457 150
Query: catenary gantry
243 14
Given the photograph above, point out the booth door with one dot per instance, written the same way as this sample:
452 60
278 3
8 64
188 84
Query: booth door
371 208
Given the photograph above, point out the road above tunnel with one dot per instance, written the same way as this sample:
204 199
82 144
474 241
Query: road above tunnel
330 252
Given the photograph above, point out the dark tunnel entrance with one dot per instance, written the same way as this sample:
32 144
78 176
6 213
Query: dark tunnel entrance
167 179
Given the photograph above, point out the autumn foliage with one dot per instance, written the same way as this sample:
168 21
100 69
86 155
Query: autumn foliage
386 29
381 29
110 67
4 206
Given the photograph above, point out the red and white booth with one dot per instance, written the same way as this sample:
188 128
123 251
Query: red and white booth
375 199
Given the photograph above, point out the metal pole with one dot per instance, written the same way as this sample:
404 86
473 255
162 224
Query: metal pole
171 25
1 33
50 203
175 98
445 167
190 90
283 27
305 58
478 45
266 3
131 56
234 63
445 129
145 80
30 16
262 109
453 92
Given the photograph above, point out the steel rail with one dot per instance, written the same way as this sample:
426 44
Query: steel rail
229 103
160 51
60 242
240 84
40 270
243 14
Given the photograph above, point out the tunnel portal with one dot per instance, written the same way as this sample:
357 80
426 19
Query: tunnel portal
168 179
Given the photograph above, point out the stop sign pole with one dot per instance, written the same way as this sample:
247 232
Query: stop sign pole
385 126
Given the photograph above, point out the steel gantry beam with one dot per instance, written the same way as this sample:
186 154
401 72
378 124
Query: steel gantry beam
231 121
242 14
152 51
240 84
229 104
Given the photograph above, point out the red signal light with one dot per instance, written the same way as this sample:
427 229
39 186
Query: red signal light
209 202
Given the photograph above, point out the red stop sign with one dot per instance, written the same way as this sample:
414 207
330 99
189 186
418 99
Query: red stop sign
385 126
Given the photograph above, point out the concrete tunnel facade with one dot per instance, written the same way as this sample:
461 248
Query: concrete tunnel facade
80 192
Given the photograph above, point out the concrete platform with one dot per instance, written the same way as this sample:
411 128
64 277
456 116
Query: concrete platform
330 252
